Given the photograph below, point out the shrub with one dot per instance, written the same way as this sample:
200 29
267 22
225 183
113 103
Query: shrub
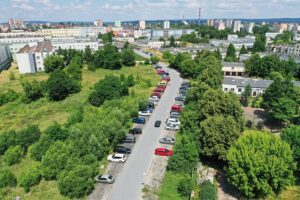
39 149
60 85
30 178
184 187
56 132
53 63
7 179
28 136
7 139
33 90
13 155
76 183
208 191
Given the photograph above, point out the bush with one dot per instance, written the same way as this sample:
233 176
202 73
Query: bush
77 182
259 164
208 191
76 117
74 71
185 187
7 179
13 155
56 132
39 149
128 58
154 60
28 136
60 85
33 90
30 178
53 63
7 139
9 96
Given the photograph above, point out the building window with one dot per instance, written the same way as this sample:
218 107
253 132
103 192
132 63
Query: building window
232 89
227 73
233 73
240 90
225 89
254 94
38 57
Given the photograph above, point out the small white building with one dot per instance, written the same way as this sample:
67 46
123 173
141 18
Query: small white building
149 43
233 68
30 59
237 85
237 42
76 44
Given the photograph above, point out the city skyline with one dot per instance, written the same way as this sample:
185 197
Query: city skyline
108 10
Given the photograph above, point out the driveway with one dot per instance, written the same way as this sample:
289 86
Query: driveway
129 182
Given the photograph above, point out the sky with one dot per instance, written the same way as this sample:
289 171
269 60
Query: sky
110 10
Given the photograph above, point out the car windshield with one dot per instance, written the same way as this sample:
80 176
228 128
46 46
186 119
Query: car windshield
110 177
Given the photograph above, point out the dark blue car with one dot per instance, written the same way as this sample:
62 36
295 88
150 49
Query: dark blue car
139 120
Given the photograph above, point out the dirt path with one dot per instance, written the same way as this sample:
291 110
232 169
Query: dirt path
225 191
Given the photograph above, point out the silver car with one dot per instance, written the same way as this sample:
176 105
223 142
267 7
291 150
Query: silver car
105 178
167 140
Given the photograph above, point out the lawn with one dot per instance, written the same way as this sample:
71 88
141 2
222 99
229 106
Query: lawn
16 115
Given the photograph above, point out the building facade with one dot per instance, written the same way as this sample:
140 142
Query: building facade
285 50
166 25
30 59
233 69
73 32
5 58
237 25
142 24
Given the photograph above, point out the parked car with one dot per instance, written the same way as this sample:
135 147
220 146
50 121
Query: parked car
145 113
167 140
167 78
159 90
180 98
139 120
122 149
172 127
105 178
176 108
160 71
150 109
162 151
135 131
184 92
154 98
173 121
117 157
175 115
157 66
183 87
162 88
162 83
157 123
158 94
165 75
128 139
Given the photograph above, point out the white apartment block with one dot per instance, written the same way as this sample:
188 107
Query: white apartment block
166 25
142 24
30 59
233 68
237 25
237 42
13 40
73 32
76 44
285 50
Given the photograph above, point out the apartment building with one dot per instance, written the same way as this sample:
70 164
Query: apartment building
285 50
30 59
77 44
73 32
5 58
237 42
233 68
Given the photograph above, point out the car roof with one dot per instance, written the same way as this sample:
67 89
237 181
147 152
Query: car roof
161 148
119 154
105 175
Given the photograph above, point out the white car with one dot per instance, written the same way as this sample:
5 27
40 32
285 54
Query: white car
145 113
154 98
173 121
172 127
117 157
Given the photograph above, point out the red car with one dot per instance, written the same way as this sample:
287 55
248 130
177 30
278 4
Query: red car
160 71
163 88
158 94
159 90
176 108
168 79
162 151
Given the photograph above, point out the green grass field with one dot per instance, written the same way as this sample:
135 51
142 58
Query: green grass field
16 115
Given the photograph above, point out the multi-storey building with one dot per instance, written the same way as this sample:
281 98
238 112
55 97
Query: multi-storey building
233 68
73 32
14 40
142 24
166 25
98 23
247 41
77 44
118 23
237 25
5 58
285 50
30 59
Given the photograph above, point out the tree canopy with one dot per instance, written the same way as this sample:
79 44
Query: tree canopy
231 54
53 63
259 163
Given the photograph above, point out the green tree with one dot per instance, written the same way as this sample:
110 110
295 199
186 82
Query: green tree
7 139
74 71
217 135
87 55
231 54
76 183
128 58
284 38
185 187
7 178
246 95
13 155
167 55
185 156
190 68
154 60
259 163
32 90
60 85
172 41
106 38
259 44
126 45
53 63
243 50
57 132
283 110
112 58
291 135
208 191
30 177
39 149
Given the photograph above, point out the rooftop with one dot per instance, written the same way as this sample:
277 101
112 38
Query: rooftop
233 64
39 47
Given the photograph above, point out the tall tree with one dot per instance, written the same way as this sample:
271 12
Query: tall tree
172 42
128 58
260 163
243 50
53 62
246 95
259 44
231 54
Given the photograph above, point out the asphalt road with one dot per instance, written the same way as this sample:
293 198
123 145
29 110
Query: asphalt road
129 182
